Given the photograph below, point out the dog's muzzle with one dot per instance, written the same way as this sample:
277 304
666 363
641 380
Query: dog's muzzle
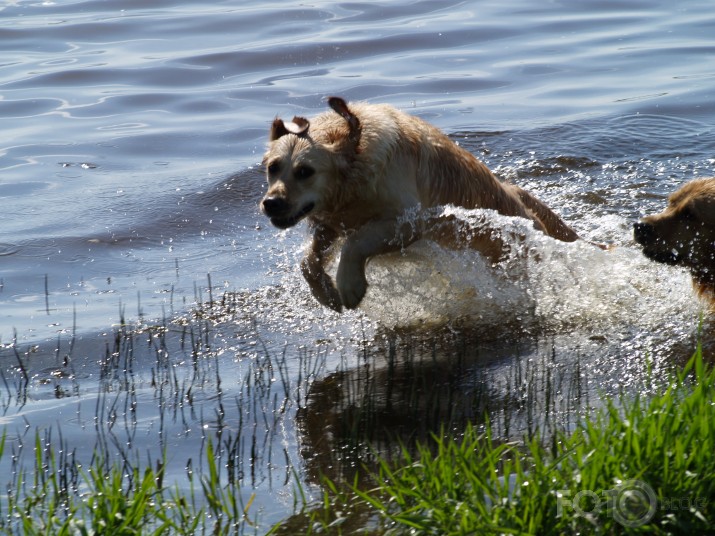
646 235
281 213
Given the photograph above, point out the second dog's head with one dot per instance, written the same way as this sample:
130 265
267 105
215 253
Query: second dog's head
305 161
684 233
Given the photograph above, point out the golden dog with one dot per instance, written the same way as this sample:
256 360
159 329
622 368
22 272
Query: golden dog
684 234
355 172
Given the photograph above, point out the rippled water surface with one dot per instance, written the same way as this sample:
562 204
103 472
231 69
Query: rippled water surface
129 180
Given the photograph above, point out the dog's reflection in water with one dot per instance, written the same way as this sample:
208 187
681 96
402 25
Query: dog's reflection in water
407 391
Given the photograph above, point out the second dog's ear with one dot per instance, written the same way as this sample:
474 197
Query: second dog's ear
299 126
704 209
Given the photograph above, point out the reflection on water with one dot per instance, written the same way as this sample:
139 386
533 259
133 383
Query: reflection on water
409 387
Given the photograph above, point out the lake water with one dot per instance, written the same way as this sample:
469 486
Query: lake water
130 177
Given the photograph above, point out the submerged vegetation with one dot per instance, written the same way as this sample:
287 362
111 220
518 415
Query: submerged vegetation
166 435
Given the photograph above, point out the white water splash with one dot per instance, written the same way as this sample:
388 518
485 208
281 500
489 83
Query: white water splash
543 283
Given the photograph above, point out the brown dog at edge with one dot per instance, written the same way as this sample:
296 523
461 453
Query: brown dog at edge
684 234
353 172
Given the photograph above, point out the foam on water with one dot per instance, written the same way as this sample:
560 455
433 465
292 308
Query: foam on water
543 284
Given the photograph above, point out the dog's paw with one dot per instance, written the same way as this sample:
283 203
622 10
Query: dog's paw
328 296
322 286
351 283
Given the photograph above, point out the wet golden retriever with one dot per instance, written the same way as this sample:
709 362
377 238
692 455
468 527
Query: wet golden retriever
684 234
354 172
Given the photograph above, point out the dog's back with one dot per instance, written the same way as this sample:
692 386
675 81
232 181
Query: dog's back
407 160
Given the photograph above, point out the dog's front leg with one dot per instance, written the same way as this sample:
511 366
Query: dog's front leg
313 268
386 236
373 238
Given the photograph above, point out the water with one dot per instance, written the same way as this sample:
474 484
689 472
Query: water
129 177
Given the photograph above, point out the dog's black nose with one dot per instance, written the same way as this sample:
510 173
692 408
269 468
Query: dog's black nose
644 233
275 206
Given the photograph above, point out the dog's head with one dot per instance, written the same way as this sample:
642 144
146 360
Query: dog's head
304 164
684 233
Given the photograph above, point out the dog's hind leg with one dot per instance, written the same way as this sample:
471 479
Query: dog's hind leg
313 268
452 233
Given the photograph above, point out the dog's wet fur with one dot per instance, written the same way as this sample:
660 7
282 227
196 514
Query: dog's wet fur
354 171
684 234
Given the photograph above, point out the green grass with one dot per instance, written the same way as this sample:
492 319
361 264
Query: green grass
116 499
639 466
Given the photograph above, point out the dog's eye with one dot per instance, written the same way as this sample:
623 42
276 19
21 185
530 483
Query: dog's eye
303 172
273 168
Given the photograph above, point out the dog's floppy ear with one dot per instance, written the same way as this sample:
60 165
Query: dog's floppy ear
299 127
341 107
704 209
